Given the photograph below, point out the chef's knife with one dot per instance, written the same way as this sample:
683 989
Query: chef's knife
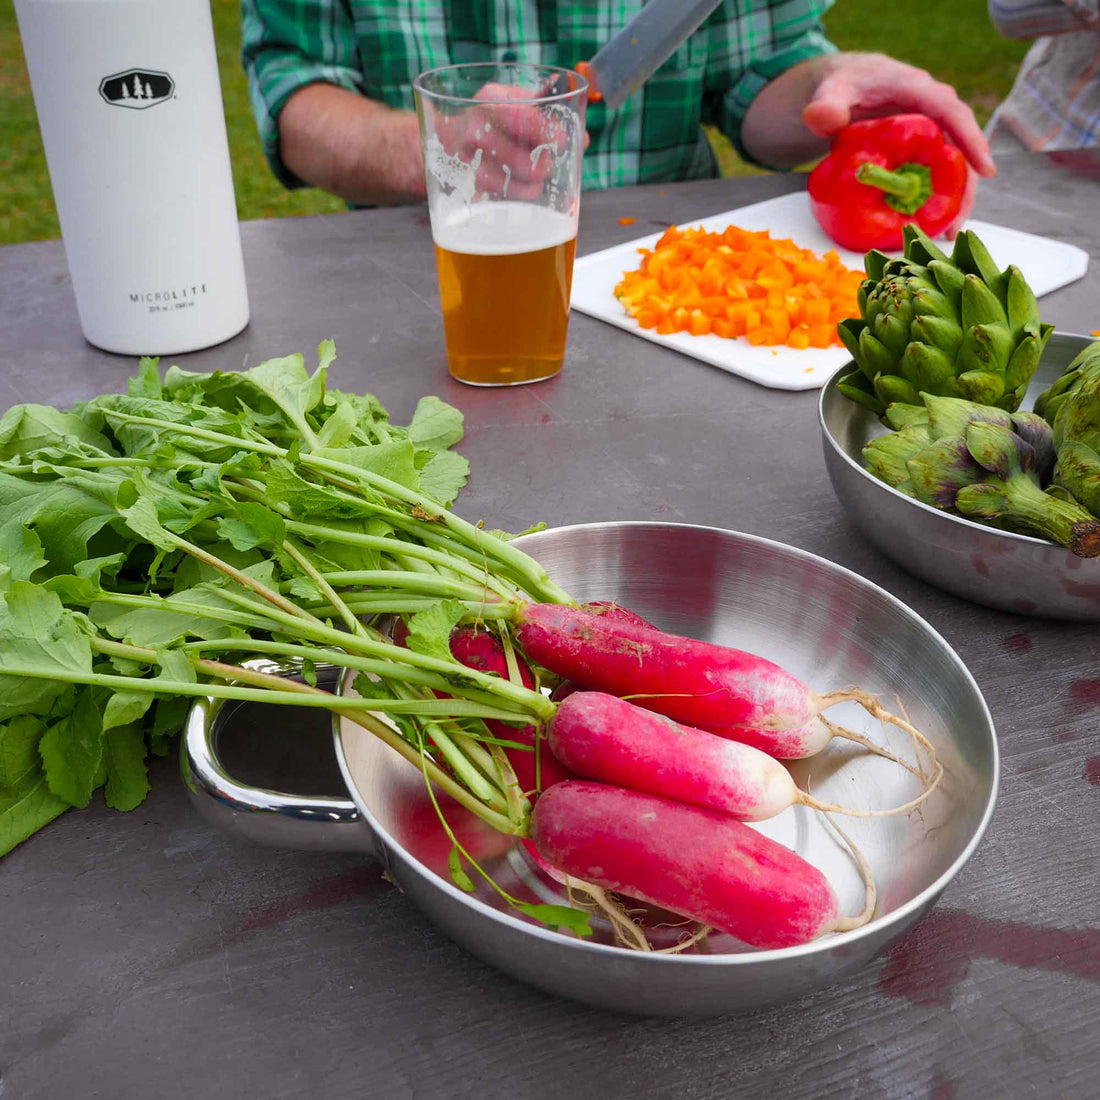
626 61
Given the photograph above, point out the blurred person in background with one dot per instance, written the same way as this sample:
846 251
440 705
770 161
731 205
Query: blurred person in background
331 87
1054 105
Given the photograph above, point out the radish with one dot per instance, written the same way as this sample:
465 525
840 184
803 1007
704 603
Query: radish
612 612
599 736
531 777
615 613
695 862
481 649
710 687
563 691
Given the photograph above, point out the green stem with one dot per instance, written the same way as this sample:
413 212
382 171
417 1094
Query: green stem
434 513
531 701
397 603
244 579
487 795
169 427
394 662
476 555
180 607
483 704
394 547
908 187
311 571
1067 524
536 578
465 769
421 584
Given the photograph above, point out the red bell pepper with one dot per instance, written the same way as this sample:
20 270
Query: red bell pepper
882 173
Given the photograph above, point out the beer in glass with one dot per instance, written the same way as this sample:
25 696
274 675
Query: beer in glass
502 146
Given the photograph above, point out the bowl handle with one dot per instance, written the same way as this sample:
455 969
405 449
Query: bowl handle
308 822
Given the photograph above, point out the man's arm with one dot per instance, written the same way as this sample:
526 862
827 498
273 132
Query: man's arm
356 148
792 118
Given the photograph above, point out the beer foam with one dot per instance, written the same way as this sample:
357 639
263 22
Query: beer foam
451 172
502 228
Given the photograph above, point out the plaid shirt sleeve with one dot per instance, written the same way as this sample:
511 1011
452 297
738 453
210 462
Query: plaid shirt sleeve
376 48
287 44
753 44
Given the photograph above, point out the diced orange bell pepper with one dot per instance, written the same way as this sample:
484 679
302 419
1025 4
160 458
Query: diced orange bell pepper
739 283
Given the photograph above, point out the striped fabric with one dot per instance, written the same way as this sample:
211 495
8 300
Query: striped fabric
1034 18
377 47
1054 105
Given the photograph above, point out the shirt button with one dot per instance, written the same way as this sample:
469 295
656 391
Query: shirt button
508 56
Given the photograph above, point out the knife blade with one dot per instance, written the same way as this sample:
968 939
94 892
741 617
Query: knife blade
627 60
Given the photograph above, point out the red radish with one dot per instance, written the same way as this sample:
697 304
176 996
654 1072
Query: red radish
701 864
711 687
616 613
602 737
528 845
599 736
626 931
483 650
563 691
613 612
549 770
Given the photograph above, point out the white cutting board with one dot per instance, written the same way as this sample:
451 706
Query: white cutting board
1046 264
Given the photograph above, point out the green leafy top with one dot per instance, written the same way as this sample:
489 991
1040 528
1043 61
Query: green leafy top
150 540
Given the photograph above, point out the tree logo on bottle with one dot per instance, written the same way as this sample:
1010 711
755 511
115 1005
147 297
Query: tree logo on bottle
137 88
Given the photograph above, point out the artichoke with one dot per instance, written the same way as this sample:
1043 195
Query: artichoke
990 465
949 326
1085 365
939 471
1077 439
1011 496
900 415
887 455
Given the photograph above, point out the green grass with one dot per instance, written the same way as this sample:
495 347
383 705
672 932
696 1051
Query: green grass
953 41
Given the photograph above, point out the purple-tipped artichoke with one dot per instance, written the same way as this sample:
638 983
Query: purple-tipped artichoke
1077 439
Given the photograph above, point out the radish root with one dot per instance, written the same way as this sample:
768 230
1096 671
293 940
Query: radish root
929 781
846 924
626 931
698 936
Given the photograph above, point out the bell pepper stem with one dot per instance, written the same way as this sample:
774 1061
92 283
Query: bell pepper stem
906 187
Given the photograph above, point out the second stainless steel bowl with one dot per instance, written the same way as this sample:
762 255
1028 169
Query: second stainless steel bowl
999 569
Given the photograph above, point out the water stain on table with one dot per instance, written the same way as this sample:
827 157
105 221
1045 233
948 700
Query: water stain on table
330 892
927 965
1084 695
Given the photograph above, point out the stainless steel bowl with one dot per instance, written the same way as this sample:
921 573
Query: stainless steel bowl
825 624
997 568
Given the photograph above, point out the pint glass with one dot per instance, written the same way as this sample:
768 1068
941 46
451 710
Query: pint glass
502 158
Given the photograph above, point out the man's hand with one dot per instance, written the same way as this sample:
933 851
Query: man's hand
789 123
869 85
518 141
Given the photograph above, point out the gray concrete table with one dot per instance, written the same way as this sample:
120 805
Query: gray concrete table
148 956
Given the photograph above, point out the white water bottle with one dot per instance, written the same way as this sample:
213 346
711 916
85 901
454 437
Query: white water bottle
130 109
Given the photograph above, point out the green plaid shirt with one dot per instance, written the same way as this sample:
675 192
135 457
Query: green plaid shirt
377 47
